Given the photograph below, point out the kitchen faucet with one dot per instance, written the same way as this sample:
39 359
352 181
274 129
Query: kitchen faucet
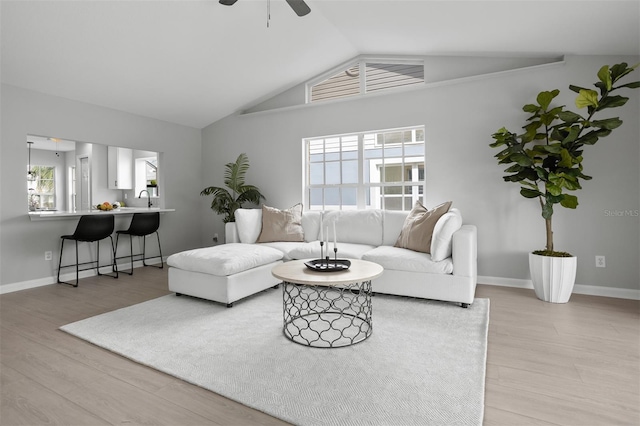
148 196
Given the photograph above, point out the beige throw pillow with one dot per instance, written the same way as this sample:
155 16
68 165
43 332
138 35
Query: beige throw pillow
418 227
281 225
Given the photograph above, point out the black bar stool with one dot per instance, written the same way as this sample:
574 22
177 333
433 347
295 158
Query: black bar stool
142 224
91 228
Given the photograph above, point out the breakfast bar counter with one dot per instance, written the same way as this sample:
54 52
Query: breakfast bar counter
73 214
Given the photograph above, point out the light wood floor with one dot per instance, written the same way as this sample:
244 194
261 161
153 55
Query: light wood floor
572 364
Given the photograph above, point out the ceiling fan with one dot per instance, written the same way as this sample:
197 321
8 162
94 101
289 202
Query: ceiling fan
298 6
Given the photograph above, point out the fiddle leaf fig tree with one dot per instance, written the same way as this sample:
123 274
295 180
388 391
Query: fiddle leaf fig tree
546 160
227 202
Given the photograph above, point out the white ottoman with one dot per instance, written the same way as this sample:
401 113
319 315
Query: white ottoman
223 273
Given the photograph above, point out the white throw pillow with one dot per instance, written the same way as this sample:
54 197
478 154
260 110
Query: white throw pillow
441 240
392 226
249 224
311 224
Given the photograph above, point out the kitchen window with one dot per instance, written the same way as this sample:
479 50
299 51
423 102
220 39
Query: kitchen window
42 191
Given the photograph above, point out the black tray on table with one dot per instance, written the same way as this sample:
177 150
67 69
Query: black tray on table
332 265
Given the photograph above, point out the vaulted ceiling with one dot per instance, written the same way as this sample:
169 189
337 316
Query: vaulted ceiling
195 62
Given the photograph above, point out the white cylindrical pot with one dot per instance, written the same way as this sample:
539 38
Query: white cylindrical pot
230 235
553 277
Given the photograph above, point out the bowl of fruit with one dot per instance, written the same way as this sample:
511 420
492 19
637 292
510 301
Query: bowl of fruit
107 206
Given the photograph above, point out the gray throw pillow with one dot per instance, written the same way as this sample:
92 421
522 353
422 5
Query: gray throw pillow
281 225
418 227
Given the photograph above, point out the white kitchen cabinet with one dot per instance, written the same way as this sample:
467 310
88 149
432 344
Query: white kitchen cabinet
120 168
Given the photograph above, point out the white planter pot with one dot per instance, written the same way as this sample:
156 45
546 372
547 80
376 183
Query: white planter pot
553 277
229 233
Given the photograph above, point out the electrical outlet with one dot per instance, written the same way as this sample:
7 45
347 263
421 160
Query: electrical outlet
48 255
600 262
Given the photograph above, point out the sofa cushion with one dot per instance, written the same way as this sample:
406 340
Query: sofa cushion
392 226
345 251
351 251
441 241
225 259
354 226
281 225
400 259
248 224
311 224
285 247
310 250
418 227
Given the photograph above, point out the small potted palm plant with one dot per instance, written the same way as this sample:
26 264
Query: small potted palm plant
225 201
546 161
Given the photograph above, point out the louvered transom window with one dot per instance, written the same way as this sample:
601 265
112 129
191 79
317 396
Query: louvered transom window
377 76
389 76
345 83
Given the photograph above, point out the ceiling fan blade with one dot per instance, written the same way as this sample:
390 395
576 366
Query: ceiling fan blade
228 2
299 7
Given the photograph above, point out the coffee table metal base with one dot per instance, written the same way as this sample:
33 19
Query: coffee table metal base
327 316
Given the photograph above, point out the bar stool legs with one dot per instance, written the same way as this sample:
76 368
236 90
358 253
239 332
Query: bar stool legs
60 266
142 224
144 251
91 228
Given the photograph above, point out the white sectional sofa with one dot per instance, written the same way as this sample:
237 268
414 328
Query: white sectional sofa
449 273
242 267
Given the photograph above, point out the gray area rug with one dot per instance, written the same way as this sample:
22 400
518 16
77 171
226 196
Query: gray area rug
424 364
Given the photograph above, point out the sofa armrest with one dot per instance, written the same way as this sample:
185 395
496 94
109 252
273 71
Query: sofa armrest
465 252
231 233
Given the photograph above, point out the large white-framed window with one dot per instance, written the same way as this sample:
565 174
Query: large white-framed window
366 170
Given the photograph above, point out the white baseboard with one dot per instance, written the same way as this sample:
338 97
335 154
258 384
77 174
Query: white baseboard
618 293
591 290
505 282
68 276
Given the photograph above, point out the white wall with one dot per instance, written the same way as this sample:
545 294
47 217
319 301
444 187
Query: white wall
23 112
437 69
460 118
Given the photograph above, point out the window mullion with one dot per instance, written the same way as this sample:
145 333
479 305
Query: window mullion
360 192
340 180
324 173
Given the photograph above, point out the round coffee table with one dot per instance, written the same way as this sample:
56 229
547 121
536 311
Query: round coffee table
327 309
